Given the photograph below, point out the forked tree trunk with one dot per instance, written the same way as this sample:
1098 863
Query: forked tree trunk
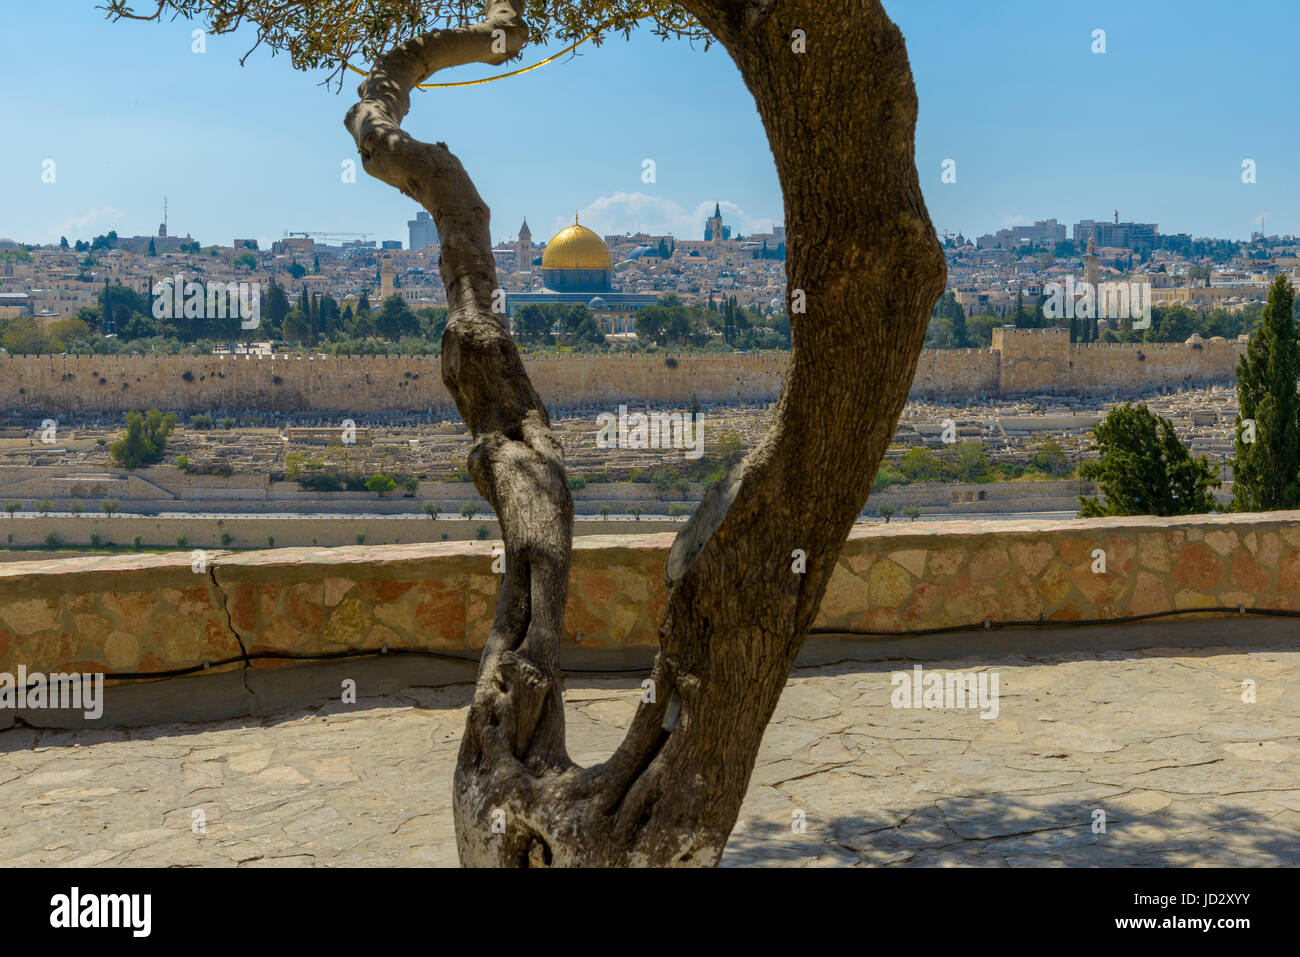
864 262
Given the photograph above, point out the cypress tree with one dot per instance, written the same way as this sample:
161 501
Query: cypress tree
960 337
1266 472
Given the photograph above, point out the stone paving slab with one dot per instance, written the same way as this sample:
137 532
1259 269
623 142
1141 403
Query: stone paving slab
1186 772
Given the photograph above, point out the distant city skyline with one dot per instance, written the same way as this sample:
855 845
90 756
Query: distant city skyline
1038 127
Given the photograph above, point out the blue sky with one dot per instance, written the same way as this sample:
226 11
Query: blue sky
1038 125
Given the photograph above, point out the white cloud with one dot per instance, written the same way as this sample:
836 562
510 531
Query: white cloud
85 225
640 212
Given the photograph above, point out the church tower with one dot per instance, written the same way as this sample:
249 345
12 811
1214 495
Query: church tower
713 225
524 249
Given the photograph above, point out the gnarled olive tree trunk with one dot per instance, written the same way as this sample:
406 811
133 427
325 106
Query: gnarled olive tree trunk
864 269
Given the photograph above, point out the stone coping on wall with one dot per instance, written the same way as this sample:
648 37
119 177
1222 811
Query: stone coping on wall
132 614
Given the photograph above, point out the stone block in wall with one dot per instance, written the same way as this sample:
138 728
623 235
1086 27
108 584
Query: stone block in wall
117 614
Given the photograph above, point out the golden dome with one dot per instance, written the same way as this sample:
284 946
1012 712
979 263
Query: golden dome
576 247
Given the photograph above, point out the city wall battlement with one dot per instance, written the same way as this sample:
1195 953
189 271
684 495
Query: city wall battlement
1019 361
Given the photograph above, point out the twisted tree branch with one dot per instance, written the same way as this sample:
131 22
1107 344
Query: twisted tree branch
516 722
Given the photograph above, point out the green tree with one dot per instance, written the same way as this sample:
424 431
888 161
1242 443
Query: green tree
949 308
970 462
246 259
920 465
886 512
145 439
1051 458
295 327
1145 469
911 513
76 507
431 509
109 506
650 324
468 510
23 336
12 507
44 506
380 484
1266 472
275 306
395 319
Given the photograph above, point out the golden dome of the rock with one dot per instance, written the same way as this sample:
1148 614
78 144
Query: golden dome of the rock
576 247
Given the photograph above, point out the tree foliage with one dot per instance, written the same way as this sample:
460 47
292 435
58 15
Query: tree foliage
331 34
1266 472
1145 469
145 439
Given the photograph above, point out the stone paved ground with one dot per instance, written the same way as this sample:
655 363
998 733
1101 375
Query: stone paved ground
1185 771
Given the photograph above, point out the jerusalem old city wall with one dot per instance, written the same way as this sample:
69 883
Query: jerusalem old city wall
1019 361
61 384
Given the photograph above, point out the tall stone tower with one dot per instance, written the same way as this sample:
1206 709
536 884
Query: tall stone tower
1091 264
524 249
387 275
713 225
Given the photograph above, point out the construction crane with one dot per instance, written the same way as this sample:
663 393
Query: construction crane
313 234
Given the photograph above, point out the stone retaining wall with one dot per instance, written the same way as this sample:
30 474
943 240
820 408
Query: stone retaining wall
157 613
252 531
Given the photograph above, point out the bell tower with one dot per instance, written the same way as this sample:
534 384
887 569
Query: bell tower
524 249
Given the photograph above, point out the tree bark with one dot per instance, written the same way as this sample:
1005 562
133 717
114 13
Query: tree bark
865 265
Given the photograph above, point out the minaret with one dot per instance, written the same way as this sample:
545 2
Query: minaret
386 276
524 248
1091 261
